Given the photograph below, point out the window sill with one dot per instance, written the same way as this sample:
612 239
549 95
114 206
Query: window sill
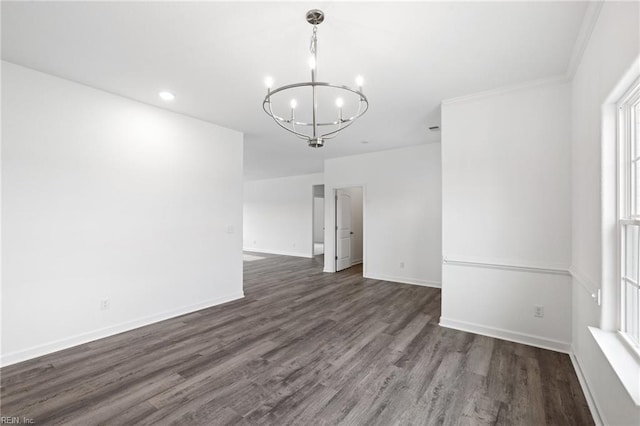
622 358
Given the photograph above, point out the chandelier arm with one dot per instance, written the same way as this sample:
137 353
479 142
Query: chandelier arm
300 135
304 138
337 123
334 133
360 106
330 135
302 123
280 120
359 113
271 114
348 122
363 100
327 123
296 133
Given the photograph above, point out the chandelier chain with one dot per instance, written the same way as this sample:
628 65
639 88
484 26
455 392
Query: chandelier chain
314 41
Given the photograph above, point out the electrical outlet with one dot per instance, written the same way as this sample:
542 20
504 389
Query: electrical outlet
538 311
105 304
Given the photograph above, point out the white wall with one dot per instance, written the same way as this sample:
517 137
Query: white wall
402 215
612 49
357 241
106 198
318 214
318 219
278 215
506 201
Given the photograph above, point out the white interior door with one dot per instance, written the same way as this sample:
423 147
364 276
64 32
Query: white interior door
343 230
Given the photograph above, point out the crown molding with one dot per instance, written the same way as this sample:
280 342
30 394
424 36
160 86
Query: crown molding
584 35
558 79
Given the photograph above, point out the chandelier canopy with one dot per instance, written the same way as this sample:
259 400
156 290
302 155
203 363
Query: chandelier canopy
315 125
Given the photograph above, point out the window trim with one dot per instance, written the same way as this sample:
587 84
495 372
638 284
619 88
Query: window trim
620 356
625 214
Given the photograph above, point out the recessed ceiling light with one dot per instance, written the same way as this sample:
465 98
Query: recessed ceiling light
166 96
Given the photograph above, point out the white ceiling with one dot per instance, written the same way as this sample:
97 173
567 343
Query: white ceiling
214 57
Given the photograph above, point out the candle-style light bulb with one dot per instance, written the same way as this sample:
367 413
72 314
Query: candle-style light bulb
359 81
312 62
268 81
339 103
166 96
293 104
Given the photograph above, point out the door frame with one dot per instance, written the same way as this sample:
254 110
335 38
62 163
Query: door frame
337 238
330 225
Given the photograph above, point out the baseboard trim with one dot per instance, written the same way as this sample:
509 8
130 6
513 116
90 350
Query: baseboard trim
79 339
586 390
404 280
280 252
512 336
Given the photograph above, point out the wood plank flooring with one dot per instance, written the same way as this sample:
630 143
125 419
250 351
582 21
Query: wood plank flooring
302 348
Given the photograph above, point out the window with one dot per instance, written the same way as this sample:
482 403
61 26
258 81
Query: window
629 215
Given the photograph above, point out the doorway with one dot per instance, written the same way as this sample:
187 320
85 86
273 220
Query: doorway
349 227
318 220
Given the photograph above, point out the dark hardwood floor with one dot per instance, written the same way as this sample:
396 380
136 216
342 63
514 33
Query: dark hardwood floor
303 348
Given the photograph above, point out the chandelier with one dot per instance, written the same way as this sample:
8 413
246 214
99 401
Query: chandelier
315 125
